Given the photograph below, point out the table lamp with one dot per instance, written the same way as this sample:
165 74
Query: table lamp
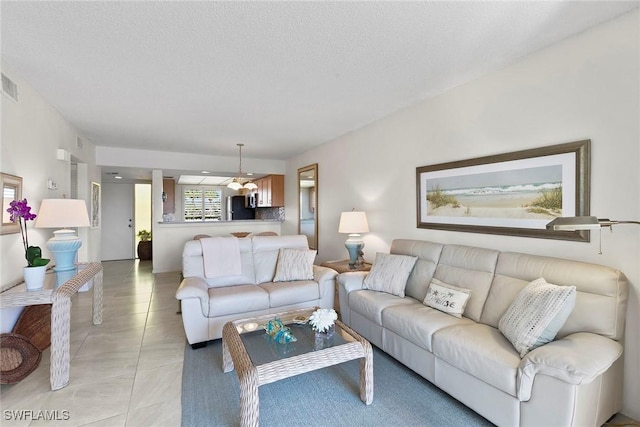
354 223
62 214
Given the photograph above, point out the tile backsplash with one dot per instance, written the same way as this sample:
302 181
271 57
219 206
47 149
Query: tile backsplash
270 213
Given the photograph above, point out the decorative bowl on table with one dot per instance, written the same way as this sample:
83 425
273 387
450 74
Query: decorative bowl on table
241 234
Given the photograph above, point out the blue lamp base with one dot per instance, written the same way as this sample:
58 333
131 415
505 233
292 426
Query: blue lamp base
354 245
64 248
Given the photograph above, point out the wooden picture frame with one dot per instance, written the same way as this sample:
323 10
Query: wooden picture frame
11 186
95 205
513 194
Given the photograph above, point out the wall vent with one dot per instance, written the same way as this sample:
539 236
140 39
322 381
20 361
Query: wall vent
79 142
9 88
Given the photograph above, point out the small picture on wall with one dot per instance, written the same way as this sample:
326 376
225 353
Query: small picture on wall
95 205
514 193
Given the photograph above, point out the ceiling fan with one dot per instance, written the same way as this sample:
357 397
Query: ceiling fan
238 182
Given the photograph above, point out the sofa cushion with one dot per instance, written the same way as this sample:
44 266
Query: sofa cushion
294 264
389 273
266 250
237 299
481 351
601 296
428 254
469 268
285 293
417 323
447 298
370 304
193 264
537 314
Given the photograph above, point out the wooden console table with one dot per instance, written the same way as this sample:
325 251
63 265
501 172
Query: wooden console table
342 266
60 298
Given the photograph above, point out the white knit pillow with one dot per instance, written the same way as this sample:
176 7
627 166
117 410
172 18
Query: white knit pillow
389 273
537 314
294 264
447 298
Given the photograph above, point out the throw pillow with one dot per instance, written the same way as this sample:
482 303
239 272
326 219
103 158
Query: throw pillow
447 298
389 273
294 264
537 314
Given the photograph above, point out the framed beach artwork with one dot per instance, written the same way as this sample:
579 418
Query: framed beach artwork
511 194
95 205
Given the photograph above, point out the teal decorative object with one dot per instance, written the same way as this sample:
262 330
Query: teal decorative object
278 331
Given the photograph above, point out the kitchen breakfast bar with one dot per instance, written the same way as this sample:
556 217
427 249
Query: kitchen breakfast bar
169 237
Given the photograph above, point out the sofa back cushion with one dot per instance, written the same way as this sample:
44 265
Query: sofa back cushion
428 254
469 268
193 264
601 292
265 253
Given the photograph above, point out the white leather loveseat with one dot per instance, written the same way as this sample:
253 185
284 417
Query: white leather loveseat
574 380
207 304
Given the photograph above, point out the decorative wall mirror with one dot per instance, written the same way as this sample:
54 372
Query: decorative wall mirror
308 199
11 190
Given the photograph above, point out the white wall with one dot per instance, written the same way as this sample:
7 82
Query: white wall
587 87
32 131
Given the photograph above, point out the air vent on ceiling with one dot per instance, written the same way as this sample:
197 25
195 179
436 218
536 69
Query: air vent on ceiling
9 88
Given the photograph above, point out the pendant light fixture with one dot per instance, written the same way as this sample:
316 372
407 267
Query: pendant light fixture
236 183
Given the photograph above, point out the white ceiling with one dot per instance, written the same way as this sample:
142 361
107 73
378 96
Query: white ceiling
281 77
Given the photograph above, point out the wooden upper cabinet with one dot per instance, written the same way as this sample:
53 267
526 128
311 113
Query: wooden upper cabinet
169 188
270 191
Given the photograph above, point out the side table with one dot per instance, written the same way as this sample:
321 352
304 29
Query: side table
342 266
60 299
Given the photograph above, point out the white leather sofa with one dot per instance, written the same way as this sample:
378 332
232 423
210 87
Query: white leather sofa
207 304
575 380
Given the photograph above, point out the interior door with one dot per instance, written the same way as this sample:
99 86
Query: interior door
117 221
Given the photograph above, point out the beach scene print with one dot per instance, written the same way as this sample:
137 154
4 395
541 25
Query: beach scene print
529 193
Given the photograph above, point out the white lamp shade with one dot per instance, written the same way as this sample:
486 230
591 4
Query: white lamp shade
62 213
250 186
234 185
353 223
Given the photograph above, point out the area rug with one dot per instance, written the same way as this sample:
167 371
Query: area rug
327 397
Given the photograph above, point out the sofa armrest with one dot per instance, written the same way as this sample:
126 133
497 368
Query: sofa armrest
321 274
348 282
352 280
195 287
326 279
576 359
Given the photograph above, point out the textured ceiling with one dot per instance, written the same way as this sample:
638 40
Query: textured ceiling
281 77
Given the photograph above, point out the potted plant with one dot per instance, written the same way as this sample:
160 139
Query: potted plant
20 212
144 245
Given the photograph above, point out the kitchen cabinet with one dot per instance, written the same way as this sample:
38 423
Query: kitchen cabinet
168 201
270 191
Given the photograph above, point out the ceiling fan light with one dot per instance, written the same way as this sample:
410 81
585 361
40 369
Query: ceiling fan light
250 186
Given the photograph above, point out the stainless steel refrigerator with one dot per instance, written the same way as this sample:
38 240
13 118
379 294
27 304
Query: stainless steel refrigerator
236 208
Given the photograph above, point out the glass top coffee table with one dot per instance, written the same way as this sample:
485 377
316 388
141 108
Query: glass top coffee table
258 359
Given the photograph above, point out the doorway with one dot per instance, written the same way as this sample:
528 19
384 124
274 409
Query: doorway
117 221
142 215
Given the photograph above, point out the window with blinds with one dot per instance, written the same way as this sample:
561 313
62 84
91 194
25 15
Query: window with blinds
202 204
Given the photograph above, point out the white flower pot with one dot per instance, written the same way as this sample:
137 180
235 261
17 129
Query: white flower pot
34 277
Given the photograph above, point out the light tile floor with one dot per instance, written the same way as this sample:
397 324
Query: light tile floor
125 372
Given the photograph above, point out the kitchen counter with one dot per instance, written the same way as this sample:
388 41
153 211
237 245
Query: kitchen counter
233 221
169 237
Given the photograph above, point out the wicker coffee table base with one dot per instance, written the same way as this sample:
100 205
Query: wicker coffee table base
251 377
